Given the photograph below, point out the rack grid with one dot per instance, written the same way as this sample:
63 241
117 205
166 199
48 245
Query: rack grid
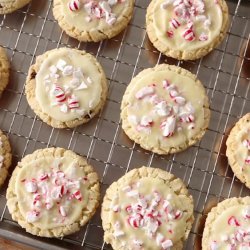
203 167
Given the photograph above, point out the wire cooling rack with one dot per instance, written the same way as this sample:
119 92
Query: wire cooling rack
225 73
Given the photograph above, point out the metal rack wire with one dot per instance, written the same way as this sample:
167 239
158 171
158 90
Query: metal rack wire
225 73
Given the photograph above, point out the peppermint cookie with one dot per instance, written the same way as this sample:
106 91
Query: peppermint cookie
238 149
186 29
66 87
148 208
8 6
93 20
228 226
5 157
4 70
53 192
165 109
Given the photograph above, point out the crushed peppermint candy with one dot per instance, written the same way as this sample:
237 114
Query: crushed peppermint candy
239 235
52 189
246 144
32 216
146 91
74 5
96 9
148 213
169 116
186 13
63 95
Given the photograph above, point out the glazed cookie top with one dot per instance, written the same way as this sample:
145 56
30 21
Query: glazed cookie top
68 84
188 24
165 107
51 191
147 214
93 14
231 229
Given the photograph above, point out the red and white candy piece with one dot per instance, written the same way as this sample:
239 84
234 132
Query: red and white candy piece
180 100
77 194
246 213
246 143
146 121
32 216
190 25
188 34
165 84
74 5
159 239
203 37
36 200
170 33
59 94
178 214
62 211
167 244
135 220
31 186
116 208
145 92
138 243
44 177
49 204
190 118
162 109
173 93
232 221
166 206
55 193
64 108
174 23
73 102
247 160
168 126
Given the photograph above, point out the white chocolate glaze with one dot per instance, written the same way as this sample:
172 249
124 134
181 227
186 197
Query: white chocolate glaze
68 85
166 108
231 230
93 14
242 154
147 214
51 192
187 24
